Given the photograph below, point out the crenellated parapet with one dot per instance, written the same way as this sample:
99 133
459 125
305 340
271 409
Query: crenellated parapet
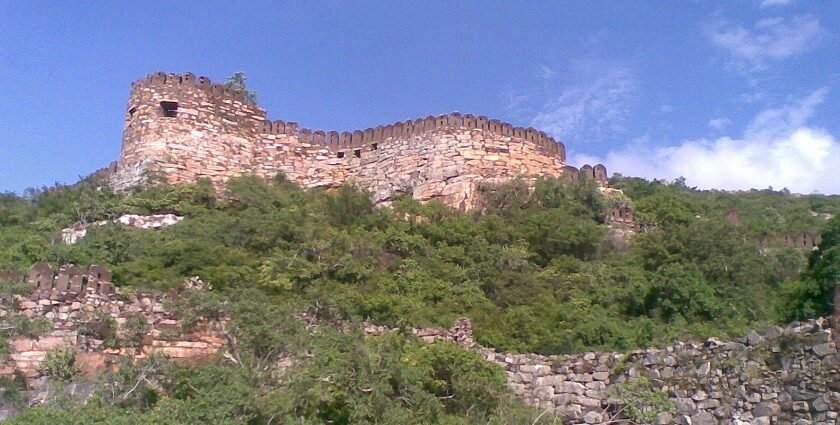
419 127
70 281
621 216
804 240
188 80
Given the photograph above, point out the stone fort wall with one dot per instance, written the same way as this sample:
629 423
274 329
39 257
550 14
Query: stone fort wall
787 375
183 127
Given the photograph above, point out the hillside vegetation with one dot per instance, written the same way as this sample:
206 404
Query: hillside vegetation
535 271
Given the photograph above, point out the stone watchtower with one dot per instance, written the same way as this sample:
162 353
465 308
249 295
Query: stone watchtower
181 127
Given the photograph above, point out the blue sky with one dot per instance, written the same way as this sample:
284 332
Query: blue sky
728 94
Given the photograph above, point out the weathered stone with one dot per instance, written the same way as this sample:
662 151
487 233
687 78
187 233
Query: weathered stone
824 349
766 409
753 338
593 417
544 393
570 387
663 418
685 406
703 418
819 404
773 332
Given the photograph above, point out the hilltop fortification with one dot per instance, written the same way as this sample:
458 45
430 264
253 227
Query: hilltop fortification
182 127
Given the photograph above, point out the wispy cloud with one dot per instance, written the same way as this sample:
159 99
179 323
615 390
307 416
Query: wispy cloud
778 148
771 3
719 124
589 110
750 49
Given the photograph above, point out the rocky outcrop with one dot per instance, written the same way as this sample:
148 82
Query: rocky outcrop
72 235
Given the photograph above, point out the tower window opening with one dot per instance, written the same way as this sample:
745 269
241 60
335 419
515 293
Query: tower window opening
357 153
132 111
169 109
341 154
374 146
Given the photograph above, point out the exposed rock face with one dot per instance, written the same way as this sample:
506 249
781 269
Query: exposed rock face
72 235
181 128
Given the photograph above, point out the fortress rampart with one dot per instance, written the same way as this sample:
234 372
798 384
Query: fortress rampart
183 127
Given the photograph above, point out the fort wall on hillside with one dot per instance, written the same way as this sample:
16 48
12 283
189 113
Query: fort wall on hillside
182 127
787 375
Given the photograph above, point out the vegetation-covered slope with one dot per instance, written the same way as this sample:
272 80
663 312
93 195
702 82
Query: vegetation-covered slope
534 271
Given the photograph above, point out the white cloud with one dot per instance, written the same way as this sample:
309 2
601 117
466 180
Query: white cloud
771 3
751 97
589 110
719 124
776 149
547 73
768 39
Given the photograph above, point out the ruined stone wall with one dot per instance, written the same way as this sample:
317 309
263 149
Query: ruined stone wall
785 376
621 217
213 133
804 240
75 303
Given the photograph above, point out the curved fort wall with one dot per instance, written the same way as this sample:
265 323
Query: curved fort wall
185 127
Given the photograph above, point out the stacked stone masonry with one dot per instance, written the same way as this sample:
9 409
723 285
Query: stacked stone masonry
785 376
621 217
183 128
71 301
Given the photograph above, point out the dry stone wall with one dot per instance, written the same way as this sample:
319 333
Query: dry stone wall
785 376
180 128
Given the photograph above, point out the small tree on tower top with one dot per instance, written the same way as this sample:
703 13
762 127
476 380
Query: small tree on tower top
237 82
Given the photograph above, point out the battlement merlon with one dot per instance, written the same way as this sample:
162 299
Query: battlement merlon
185 127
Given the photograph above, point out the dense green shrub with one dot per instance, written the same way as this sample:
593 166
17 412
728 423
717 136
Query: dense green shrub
60 363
